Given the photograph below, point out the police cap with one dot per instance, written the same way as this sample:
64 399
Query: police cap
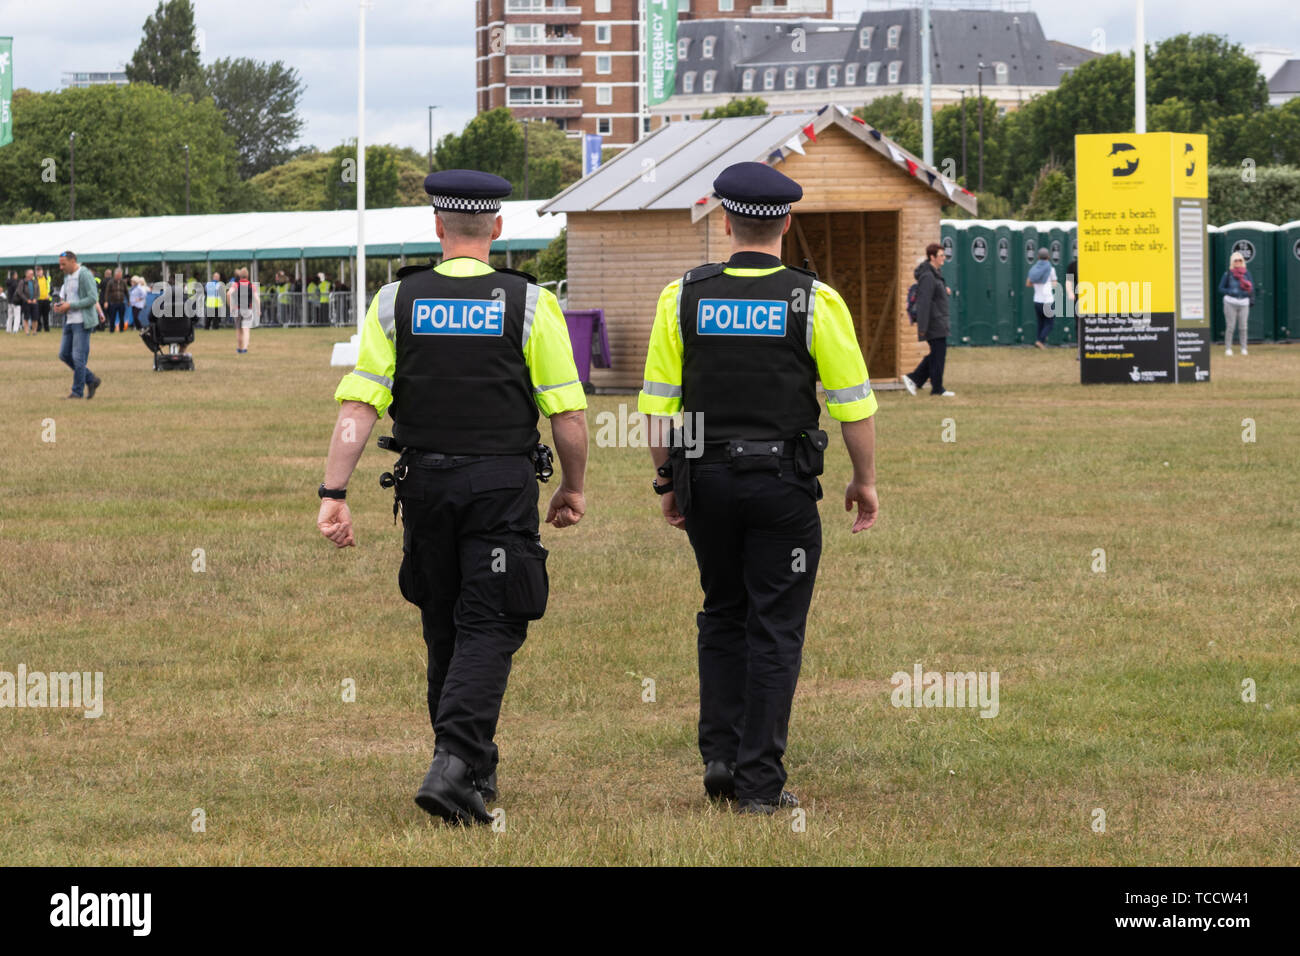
466 190
756 191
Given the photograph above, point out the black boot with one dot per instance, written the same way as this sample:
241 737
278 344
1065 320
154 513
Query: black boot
785 801
448 791
487 786
719 779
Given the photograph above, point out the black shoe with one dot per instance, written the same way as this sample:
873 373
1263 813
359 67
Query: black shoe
787 801
92 387
720 780
448 791
72 395
487 786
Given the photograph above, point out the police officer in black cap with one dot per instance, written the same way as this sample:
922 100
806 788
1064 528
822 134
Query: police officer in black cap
738 348
463 356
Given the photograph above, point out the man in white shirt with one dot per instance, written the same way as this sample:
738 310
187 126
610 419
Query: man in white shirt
79 305
1043 279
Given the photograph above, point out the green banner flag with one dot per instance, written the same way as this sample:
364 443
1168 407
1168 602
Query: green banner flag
661 50
6 90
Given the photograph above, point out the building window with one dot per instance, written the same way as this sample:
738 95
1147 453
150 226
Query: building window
864 38
683 48
891 39
791 77
832 76
524 65
709 77
851 74
602 6
873 71
894 69
604 94
603 31
747 81
688 81
604 126
810 78
726 6
604 63
1000 72
769 79
706 49
527 95
524 33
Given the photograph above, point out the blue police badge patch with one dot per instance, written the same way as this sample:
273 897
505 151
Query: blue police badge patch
741 317
458 317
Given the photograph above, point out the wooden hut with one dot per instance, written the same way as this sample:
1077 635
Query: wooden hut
643 219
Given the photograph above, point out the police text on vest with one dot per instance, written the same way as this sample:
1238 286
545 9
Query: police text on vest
458 317
741 317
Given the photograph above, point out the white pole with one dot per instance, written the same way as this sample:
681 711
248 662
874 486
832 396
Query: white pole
359 286
1140 72
643 65
927 104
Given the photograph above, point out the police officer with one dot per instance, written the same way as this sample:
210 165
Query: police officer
738 347
463 356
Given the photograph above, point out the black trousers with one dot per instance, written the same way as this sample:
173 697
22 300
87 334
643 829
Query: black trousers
757 540
472 562
931 366
43 314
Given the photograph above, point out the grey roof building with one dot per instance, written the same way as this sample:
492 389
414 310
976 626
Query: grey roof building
1284 85
794 64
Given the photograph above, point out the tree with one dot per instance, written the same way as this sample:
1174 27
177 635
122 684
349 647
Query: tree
494 142
553 261
1052 196
167 55
143 175
1214 77
1268 137
297 185
897 118
947 141
260 101
381 177
745 106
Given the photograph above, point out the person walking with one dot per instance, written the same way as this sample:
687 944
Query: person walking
115 293
1042 279
464 357
13 311
1238 290
29 304
931 323
137 297
42 300
78 308
245 306
739 347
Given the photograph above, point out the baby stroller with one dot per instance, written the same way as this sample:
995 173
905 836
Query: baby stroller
169 330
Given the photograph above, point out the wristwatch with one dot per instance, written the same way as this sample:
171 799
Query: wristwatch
336 493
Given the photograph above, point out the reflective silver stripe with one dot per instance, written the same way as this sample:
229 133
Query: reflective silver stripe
843 396
661 389
812 307
680 334
546 388
371 376
530 308
387 296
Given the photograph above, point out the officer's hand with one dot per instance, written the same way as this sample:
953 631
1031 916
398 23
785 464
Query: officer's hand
668 502
566 508
868 505
335 522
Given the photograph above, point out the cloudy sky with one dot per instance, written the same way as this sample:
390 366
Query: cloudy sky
420 52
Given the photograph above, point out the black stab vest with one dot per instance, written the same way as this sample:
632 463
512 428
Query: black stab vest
745 383
461 385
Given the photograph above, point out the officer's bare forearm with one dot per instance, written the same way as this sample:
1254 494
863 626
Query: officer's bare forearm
570 431
659 429
351 432
860 440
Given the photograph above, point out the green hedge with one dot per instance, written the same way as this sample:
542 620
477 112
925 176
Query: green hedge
1273 197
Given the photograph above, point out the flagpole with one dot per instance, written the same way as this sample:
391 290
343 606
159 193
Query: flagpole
642 28
927 102
359 285
1140 71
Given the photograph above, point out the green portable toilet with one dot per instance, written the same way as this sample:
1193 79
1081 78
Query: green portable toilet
1066 324
1006 300
1056 237
1218 266
978 251
1257 241
1288 279
950 231
1026 249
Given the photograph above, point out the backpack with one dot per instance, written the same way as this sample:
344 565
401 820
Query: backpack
911 302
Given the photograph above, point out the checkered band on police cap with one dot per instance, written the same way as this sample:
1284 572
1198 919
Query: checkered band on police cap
466 190
464 204
756 210
756 191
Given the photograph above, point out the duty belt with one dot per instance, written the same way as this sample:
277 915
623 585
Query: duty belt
713 454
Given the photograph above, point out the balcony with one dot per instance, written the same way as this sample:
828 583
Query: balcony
543 45
536 11
547 109
517 74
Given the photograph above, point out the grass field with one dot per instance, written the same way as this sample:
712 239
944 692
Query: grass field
1119 690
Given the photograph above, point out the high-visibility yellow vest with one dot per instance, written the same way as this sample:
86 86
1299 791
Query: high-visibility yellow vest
324 288
282 291
42 287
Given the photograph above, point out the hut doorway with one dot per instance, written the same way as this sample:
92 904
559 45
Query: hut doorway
856 253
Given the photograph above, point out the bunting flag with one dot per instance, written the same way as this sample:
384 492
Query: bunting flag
911 167
775 157
810 132
874 132
894 153
842 110
931 176
859 119
702 200
794 144
823 109
949 187
967 191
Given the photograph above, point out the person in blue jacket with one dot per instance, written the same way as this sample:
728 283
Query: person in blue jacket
1238 291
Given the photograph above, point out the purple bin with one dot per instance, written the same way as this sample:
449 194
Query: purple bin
590 340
